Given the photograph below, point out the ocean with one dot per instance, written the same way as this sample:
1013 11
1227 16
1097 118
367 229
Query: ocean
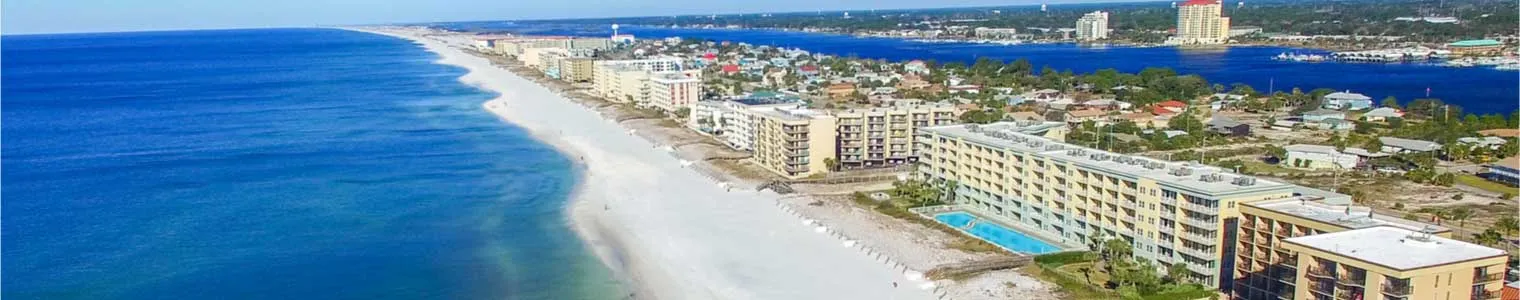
1479 90
273 164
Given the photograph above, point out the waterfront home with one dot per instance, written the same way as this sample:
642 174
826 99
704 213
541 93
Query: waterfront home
1229 127
1346 101
1398 145
1284 125
1476 48
1382 114
1107 104
1173 105
809 70
730 69
1320 115
1335 124
912 82
1505 171
916 67
966 88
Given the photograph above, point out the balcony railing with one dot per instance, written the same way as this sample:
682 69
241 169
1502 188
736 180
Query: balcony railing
1396 290
1485 295
1479 278
1200 208
1352 279
1317 271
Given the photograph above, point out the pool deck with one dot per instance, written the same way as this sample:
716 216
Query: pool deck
930 212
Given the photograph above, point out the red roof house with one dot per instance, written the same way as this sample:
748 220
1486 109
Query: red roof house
730 69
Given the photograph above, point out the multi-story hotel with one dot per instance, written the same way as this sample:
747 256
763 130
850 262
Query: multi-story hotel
733 121
669 92
882 136
1393 263
577 69
1171 212
624 80
794 142
1092 26
1201 22
1325 249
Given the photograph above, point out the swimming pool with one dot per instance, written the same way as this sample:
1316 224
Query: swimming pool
996 234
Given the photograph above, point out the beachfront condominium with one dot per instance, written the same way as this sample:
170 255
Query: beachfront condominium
1394 263
794 142
883 136
671 92
1268 267
732 121
624 80
577 69
1201 22
1093 26
1170 212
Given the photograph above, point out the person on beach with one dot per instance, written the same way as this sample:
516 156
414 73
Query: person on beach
894 284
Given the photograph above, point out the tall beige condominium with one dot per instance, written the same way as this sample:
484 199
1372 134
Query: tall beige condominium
670 92
1170 212
883 136
577 69
1267 267
1202 22
1394 263
794 143
624 80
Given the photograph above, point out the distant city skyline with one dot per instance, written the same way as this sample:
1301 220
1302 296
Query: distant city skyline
79 16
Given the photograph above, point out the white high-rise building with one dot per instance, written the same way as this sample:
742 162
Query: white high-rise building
1093 26
1201 22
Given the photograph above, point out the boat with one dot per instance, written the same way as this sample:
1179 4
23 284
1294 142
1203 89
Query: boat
1299 57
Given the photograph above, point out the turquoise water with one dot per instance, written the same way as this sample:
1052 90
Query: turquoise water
273 164
996 234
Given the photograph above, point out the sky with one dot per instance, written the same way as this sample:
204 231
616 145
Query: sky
70 16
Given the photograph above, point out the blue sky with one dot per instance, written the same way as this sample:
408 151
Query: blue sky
54 16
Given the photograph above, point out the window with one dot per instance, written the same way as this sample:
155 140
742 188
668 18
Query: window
1232 204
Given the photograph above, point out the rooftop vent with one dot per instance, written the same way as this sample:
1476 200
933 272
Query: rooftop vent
1154 165
1244 181
1099 156
1212 177
973 127
1183 171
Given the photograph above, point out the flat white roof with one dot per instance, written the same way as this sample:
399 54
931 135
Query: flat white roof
1396 248
1342 215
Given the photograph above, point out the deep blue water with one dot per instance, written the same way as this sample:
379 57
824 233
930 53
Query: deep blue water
272 164
1475 89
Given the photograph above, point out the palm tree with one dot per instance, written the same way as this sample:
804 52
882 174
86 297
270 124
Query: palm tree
1507 225
1489 237
1460 214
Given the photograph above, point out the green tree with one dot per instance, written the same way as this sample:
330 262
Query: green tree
1461 215
1177 273
1488 237
1391 102
1507 225
833 164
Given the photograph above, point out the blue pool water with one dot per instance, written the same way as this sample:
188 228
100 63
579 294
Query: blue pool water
273 164
996 234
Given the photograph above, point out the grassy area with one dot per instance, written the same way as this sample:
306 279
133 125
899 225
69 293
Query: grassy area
1093 274
1479 182
1065 270
1256 167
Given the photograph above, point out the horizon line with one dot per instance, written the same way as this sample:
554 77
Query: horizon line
1080 2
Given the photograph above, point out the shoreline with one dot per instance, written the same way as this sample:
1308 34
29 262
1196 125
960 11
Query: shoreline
665 230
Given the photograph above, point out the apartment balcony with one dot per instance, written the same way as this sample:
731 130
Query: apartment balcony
1286 277
1169 201
1198 223
796 153
1127 204
1200 208
1485 294
1263 241
796 168
1200 237
795 138
1396 290
1352 278
1320 272
1349 294
1479 278
1321 287
1198 253
796 146
794 129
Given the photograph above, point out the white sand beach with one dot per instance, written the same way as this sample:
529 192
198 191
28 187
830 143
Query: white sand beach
669 231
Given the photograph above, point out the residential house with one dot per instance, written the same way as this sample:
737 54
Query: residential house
966 88
1229 127
1021 115
1397 145
1320 115
1317 157
916 67
1346 101
912 82
1080 116
1489 142
840 90
1382 114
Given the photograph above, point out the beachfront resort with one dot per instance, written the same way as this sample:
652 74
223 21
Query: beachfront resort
1013 177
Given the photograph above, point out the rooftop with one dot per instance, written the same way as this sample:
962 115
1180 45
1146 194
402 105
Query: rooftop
1199 179
1199 2
1396 248
1345 216
1414 145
